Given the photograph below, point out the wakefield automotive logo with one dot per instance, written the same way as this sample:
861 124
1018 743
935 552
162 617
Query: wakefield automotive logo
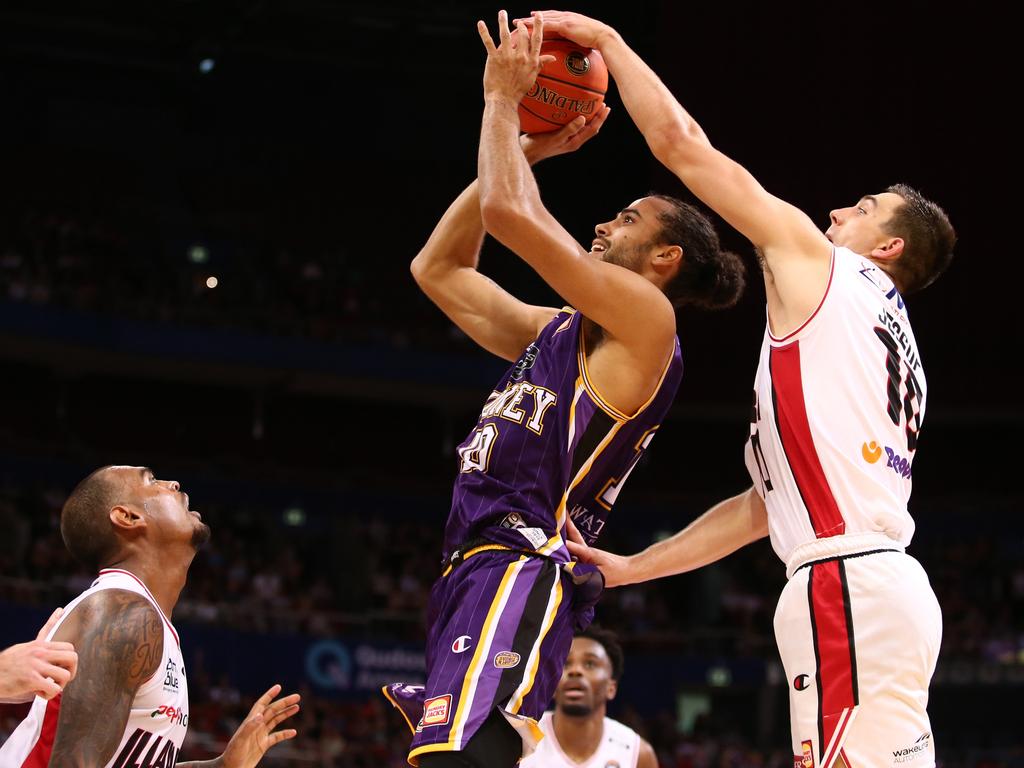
918 749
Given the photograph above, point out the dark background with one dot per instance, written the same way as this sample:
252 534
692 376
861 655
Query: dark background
311 163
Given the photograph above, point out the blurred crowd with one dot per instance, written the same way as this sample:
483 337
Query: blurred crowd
323 293
265 571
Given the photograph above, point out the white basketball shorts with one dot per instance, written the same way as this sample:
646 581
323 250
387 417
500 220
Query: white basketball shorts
859 636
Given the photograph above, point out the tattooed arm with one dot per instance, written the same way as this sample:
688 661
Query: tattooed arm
119 638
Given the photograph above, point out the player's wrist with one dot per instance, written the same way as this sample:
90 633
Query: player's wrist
501 99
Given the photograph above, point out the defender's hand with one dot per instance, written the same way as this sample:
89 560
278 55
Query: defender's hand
615 568
581 29
39 668
569 138
513 65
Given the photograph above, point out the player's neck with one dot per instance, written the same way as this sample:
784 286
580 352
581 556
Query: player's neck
579 737
163 580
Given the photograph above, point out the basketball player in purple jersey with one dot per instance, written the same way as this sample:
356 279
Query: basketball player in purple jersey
560 433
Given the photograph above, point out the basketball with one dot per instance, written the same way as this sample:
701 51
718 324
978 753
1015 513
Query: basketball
573 84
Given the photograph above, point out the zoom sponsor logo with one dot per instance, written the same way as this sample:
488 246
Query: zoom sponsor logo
897 463
872 452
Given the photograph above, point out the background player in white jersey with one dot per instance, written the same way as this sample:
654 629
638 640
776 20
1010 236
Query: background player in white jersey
128 704
37 668
578 734
839 401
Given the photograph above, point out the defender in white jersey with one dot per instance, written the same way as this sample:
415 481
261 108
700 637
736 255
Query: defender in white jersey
128 704
578 733
838 408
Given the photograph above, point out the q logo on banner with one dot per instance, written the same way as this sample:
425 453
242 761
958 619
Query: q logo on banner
329 665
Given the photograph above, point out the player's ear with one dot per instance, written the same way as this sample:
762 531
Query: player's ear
125 517
888 250
613 688
668 257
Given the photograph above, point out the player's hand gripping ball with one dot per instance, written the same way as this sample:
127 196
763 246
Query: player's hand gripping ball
573 84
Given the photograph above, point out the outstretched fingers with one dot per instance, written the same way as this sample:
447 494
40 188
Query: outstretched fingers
485 37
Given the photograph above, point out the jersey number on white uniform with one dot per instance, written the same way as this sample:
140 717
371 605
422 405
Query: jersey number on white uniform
755 445
908 405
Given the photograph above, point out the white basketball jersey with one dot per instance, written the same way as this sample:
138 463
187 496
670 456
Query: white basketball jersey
620 748
838 404
159 715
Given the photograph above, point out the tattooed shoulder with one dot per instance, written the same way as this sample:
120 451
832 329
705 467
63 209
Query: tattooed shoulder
126 628
119 638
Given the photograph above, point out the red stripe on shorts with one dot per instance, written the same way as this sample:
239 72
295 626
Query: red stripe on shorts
798 444
836 656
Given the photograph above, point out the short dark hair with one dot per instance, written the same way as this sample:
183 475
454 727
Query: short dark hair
928 240
708 277
610 642
84 524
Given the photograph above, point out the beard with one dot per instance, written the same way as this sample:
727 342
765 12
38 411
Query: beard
577 709
200 535
622 257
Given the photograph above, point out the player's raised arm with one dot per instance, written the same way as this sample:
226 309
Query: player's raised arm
628 307
446 267
119 637
795 250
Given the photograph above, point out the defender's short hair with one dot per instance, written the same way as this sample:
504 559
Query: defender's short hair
928 239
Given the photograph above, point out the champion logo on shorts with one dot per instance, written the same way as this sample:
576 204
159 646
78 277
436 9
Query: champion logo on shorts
461 644
801 682
506 659
437 710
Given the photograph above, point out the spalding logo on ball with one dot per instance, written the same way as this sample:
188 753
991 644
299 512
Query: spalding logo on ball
573 84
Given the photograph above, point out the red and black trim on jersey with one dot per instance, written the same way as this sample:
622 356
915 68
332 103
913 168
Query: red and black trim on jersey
835 654
798 444
42 750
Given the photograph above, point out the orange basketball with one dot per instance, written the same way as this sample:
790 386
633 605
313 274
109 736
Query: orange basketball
573 84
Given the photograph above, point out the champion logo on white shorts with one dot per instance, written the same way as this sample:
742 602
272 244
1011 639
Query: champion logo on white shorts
462 644
437 710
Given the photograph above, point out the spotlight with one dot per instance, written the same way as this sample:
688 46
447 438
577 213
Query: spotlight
206 66
211 282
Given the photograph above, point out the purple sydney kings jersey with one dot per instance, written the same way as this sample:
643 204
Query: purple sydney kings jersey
547 447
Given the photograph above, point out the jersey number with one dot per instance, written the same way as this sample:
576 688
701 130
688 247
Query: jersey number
899 405
755 446
611 491
475 455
